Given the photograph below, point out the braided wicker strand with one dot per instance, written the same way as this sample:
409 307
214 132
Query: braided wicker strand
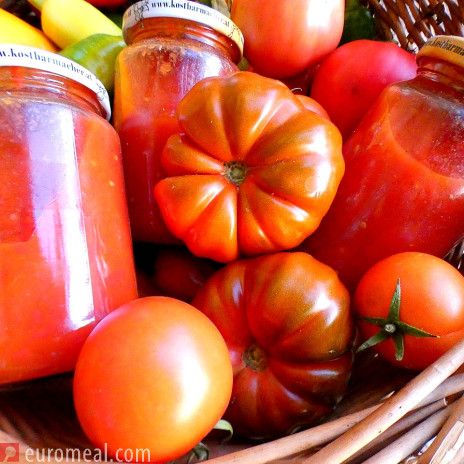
412 22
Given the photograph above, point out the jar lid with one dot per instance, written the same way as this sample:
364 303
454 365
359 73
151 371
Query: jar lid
30 57
445 47
183 9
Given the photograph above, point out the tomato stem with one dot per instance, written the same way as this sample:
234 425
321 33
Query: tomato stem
235 172
255 358
392 327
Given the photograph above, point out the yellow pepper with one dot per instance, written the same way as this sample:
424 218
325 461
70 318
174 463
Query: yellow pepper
69 21
16 31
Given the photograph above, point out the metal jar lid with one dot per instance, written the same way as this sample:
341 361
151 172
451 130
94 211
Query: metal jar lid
445 47
183 9
36 58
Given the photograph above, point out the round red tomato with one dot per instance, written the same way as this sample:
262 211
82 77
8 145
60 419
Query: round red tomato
431 300
350 79
179 274
287 322
284 38
152 380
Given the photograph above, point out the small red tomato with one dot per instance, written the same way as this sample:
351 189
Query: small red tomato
145 284
429 298
153 377
350 79
179 274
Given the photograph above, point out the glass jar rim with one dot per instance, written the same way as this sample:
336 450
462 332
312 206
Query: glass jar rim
183 9
445 47
36 58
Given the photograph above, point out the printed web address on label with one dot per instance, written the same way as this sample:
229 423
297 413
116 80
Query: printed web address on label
34 55
10 452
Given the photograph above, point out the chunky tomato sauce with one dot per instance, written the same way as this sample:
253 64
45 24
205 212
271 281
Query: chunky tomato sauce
403 188
164 59
65 246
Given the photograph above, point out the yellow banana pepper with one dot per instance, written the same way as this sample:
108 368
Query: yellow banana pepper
16 31
69 21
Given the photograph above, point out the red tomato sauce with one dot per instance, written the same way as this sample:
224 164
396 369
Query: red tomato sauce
143 138
164 59
403 188
65 248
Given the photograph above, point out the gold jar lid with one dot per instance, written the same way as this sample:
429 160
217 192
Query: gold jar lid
445 47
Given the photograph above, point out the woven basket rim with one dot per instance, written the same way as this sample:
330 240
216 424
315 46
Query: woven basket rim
411 22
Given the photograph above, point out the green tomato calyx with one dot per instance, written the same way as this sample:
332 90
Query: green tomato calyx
392 327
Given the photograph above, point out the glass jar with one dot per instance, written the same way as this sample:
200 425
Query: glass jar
65 247
170 48
403 188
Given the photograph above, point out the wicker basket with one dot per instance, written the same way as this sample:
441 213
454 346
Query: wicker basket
384 410
412 22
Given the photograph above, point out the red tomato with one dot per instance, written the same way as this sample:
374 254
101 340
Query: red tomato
311 104
301 83
146 286
287 322
252 171
432 300
350 79
154 375
283 38
179 274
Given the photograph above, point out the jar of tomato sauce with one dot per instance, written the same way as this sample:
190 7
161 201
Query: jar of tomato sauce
403 188
171 46
65 247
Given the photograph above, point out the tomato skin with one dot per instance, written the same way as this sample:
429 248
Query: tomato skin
284 38
287 322
312 105
155 375
350 79
179 274
252 172
432 299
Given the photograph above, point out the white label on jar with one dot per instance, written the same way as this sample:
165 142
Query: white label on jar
183 9
445 47
30 57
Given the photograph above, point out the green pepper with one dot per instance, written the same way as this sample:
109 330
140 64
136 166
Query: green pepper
98 54
359 23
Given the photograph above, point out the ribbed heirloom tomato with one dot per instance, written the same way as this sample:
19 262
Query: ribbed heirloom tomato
253 170
287 322
152 380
